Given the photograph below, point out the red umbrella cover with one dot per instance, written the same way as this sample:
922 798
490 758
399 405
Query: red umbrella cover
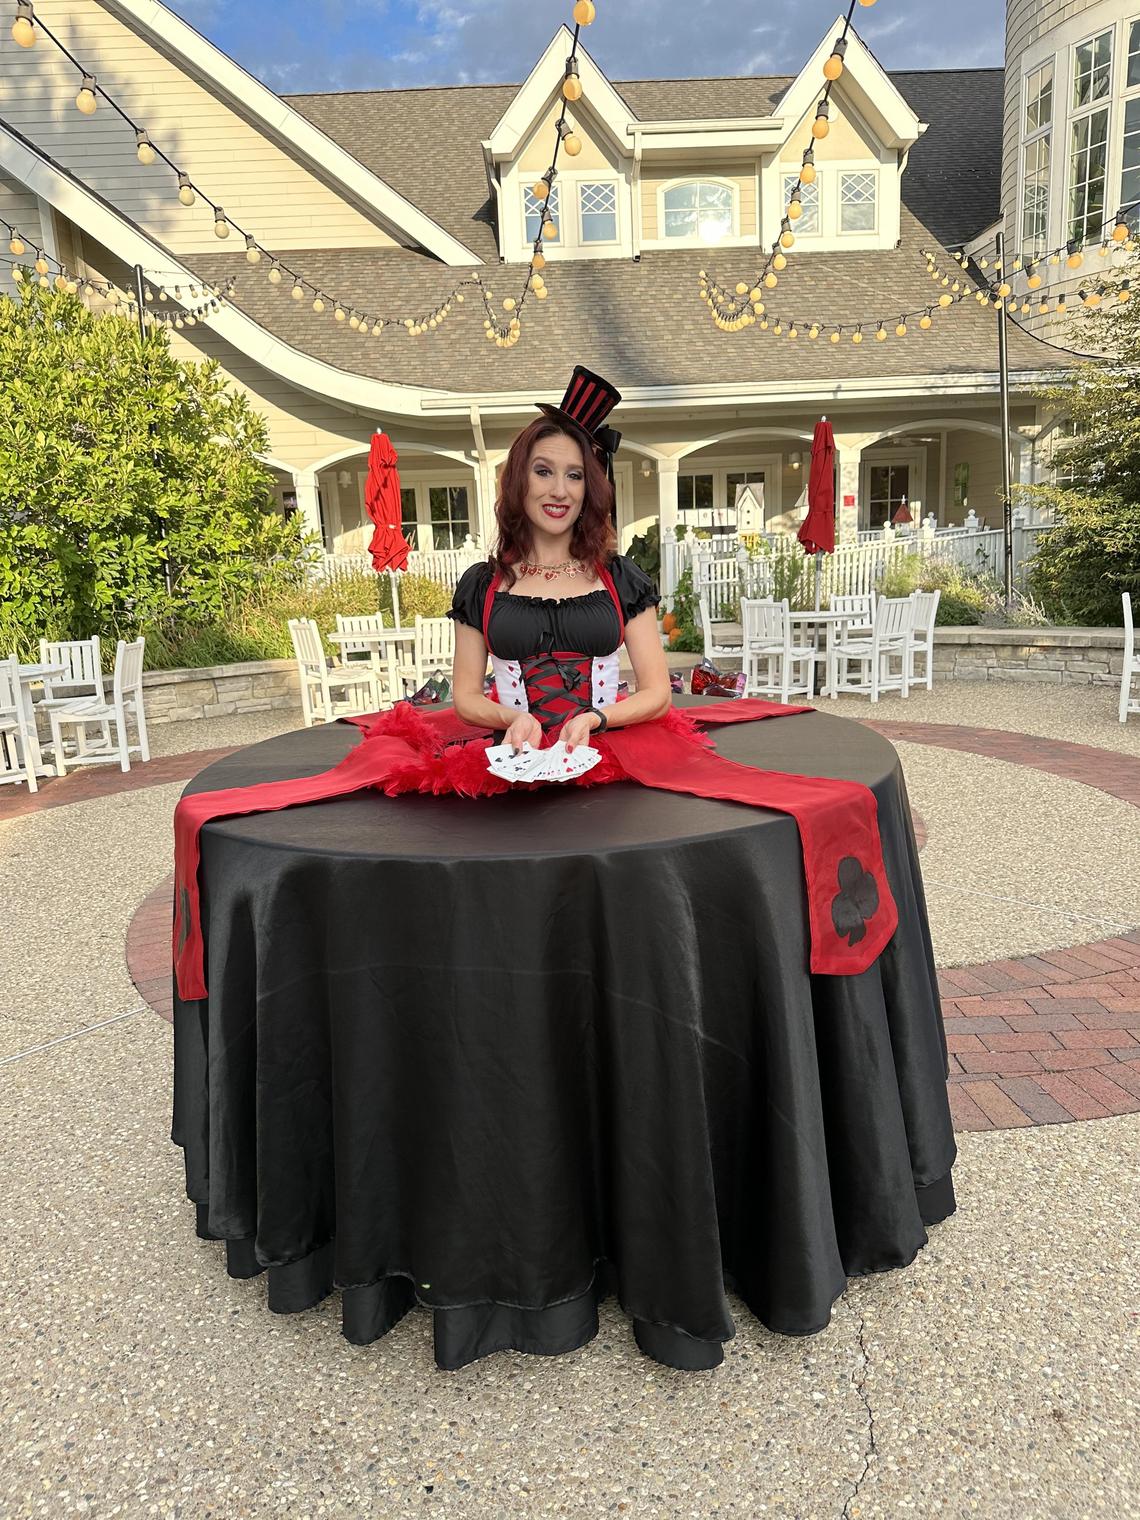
817 531
903 513
388 548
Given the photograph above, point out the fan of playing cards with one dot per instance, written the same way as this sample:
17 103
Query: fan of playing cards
553 764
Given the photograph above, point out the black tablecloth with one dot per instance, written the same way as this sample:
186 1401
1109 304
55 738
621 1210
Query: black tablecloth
505 1056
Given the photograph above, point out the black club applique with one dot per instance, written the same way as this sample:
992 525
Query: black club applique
856 901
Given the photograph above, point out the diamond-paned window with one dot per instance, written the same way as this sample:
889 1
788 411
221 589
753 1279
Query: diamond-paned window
533 210
809 200
857 202
598 206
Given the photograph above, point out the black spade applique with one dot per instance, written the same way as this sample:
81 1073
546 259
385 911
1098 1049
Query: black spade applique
856 901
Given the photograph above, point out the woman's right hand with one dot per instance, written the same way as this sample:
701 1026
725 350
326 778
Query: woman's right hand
525 729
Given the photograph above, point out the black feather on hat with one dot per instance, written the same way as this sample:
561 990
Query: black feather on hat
588 401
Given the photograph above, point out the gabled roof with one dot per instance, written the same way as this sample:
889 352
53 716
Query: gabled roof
427 142
532 98
273 114
864 83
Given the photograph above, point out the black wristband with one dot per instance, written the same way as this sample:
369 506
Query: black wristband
604 724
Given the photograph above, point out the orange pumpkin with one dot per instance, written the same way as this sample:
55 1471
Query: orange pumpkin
674 635
668 623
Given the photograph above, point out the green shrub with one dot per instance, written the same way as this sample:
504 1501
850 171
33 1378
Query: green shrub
968 597
1090 555
131 491
419 597
645 552
257 627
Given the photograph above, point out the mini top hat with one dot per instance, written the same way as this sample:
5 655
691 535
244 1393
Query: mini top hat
588 401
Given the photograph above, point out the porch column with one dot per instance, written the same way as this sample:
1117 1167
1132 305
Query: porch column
667 508
483 525
850 448
309 503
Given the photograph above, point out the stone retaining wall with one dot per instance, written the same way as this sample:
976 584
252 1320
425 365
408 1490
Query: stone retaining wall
218 691
1080 656
1074 656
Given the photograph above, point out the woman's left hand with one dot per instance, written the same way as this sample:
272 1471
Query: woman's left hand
577 730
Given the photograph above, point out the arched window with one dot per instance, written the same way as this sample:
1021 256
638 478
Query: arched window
699 209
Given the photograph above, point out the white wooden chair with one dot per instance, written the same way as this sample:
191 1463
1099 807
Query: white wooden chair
371 622
83 673
17 751
357 683
922 635
81 713
713 650
1131 672
434 650
768 644
889 641
82 661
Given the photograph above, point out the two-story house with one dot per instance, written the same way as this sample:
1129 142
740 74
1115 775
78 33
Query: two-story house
378 205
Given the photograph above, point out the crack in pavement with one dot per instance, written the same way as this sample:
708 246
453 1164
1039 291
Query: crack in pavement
860 1387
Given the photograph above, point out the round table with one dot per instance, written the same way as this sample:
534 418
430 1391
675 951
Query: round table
506 1056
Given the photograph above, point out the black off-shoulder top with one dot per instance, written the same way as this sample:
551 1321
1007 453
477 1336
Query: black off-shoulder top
520 626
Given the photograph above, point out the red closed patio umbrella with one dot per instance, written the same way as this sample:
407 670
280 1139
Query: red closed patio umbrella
817 531
903 514
388 547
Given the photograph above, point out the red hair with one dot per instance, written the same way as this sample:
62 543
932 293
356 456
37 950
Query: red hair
592 538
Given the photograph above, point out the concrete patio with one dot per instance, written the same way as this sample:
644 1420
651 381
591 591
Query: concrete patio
998 1375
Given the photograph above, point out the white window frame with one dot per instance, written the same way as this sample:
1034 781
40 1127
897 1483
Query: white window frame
1093 103
788 184
1032 138
422 482
555 214
696 241
1076 115
597 179
850 232
914 459
720 469
1130 95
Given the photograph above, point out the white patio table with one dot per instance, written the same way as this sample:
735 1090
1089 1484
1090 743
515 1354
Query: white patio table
386 646
830 622
30 676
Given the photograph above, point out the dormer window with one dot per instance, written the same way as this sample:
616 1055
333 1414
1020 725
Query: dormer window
699 211
857 202
808 224
597 207
534 210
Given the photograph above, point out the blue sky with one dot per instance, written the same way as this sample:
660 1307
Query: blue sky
309 45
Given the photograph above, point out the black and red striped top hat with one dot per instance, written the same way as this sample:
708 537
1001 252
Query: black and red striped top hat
588 401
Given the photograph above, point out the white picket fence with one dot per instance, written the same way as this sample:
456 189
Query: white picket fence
443 565
726 570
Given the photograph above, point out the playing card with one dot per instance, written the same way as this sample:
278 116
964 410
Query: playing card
558 765
504 762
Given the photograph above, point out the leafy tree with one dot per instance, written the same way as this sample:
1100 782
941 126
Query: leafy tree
130 490
1092 553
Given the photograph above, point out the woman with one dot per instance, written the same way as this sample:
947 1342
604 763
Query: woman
553 603
554 652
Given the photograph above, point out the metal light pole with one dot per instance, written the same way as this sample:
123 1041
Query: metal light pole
140 300
1006 481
